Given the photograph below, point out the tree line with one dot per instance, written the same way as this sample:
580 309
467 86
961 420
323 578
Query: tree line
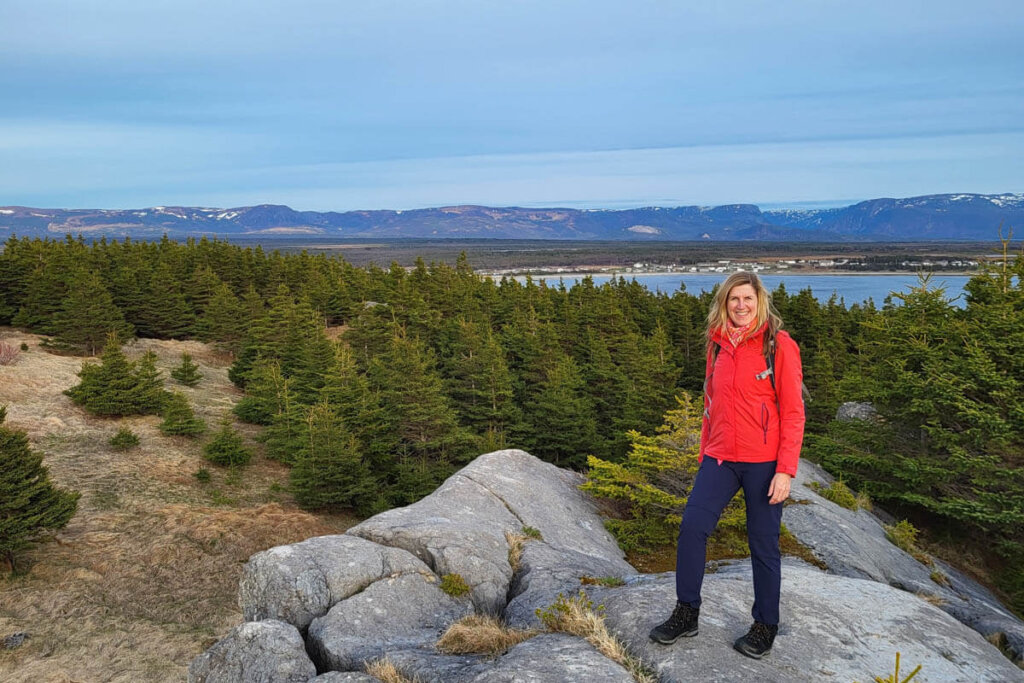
376 383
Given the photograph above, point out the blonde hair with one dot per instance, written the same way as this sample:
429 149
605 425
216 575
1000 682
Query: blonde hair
719 313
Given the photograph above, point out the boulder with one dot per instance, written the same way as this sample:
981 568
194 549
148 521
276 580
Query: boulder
265 651
299 582
833 628
458 529
854 410
394 613
461 527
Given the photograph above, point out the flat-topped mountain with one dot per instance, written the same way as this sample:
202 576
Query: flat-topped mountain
933 217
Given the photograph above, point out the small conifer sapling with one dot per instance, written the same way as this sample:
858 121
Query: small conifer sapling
188 372
227 447
179 420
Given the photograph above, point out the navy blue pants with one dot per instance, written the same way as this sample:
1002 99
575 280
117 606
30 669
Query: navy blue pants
713 489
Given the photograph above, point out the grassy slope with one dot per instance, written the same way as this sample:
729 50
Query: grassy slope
145 576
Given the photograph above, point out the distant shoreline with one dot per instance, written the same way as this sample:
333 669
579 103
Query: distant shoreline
801 273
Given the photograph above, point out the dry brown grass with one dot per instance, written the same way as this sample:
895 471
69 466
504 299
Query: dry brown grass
387 672
145 576
577 616
482 635
515 549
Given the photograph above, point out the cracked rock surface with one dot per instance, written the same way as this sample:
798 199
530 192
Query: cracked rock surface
852 543
329 605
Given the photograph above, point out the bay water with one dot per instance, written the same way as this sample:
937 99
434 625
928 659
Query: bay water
852 289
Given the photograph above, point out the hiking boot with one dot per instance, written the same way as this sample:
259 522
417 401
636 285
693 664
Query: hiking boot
682 624
758 641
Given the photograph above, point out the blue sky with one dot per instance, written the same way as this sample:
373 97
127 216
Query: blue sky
339 105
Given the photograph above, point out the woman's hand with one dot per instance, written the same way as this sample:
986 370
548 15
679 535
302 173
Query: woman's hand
778 491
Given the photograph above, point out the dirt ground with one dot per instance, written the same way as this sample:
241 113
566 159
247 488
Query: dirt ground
145 576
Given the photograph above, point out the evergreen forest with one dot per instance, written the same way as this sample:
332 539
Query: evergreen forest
375 384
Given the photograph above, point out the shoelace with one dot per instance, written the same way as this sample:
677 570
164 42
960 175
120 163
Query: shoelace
679 615
760 634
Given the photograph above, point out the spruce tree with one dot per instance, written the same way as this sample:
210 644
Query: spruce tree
227 448
30 504
179 420
88 315
223 321
329 471
188 372
118 387
262 393
148 394
560 424
283 435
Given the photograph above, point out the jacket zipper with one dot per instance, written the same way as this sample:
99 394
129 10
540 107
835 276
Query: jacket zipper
764 421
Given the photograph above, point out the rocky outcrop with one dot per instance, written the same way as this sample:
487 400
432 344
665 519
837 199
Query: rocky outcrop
375 592
833 629
853 543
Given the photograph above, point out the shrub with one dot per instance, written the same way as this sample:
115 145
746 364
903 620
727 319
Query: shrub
841 494
202 475
179 420
227 448
124 440
903 535
454 585
8 353
24 346
652 484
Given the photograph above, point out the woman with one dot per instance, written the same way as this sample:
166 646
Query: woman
750 438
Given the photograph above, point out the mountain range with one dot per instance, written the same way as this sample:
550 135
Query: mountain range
974 217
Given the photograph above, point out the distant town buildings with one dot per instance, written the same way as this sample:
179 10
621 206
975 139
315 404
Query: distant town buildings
852 265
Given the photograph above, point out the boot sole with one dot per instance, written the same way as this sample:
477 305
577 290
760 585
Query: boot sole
752 655
669 641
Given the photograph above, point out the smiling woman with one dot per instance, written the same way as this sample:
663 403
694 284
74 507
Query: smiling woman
750 438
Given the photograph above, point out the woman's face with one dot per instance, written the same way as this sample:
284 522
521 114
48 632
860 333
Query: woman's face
742 305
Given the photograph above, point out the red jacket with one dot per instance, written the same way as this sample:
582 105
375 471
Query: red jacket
744 419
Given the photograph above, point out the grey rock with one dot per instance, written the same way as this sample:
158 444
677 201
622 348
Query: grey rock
833 628
255 652
460 528
394 613
546 498
14 640
553 658
301 581
545 572
546 658
853 543
345 677
853 410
